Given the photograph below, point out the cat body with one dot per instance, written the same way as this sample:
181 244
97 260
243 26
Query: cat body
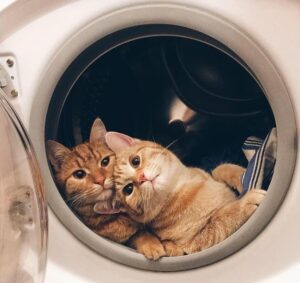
187 208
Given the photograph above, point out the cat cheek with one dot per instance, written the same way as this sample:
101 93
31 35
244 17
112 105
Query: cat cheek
129 170
136 200
133 207
75 184
128 200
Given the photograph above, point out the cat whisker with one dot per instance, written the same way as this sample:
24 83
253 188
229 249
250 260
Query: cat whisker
153 138
80 198
172 143
154 164
77 201
166 148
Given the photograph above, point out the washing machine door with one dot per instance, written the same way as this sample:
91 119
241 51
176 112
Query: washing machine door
23 212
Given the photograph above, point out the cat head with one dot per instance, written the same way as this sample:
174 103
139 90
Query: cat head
145 173
85 172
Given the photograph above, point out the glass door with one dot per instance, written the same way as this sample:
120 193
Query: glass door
23 210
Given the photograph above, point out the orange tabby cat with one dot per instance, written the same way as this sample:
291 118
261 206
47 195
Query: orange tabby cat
187 208
84 174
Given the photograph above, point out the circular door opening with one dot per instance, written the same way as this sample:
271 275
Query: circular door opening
175 86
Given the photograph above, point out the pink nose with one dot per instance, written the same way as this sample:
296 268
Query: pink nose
100 180
142 178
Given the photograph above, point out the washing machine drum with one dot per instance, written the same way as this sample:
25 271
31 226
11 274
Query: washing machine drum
23 217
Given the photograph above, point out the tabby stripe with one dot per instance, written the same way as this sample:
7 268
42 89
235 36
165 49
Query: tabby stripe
79 156
77 163
92 152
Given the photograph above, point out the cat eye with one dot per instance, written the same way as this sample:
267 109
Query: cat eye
128 189
105 161
79 174
135 161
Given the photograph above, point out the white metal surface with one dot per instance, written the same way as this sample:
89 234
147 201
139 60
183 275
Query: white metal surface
34 39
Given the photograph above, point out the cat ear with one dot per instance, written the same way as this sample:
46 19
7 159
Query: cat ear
98 131
57 153
118 142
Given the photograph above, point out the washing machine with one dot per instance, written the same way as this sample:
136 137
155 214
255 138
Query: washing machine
212 72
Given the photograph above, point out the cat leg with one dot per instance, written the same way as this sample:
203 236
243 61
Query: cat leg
148 245
226 221
230 174
119 229
172 249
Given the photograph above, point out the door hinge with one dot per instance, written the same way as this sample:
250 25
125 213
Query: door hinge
8 76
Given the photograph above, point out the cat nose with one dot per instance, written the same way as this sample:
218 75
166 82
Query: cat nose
100 180
142 178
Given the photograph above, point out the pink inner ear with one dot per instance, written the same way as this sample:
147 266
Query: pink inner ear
118 142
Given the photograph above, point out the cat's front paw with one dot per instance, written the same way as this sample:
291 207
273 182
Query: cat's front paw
230 174
172 249
252 200
152 250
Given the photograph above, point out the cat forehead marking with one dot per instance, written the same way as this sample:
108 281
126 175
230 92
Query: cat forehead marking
87 151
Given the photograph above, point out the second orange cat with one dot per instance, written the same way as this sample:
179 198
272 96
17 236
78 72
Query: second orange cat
187 208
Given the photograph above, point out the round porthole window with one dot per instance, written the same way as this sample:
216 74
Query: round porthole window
182 88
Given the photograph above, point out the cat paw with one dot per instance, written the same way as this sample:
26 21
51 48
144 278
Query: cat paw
252 200
172 249
229 174
152 251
